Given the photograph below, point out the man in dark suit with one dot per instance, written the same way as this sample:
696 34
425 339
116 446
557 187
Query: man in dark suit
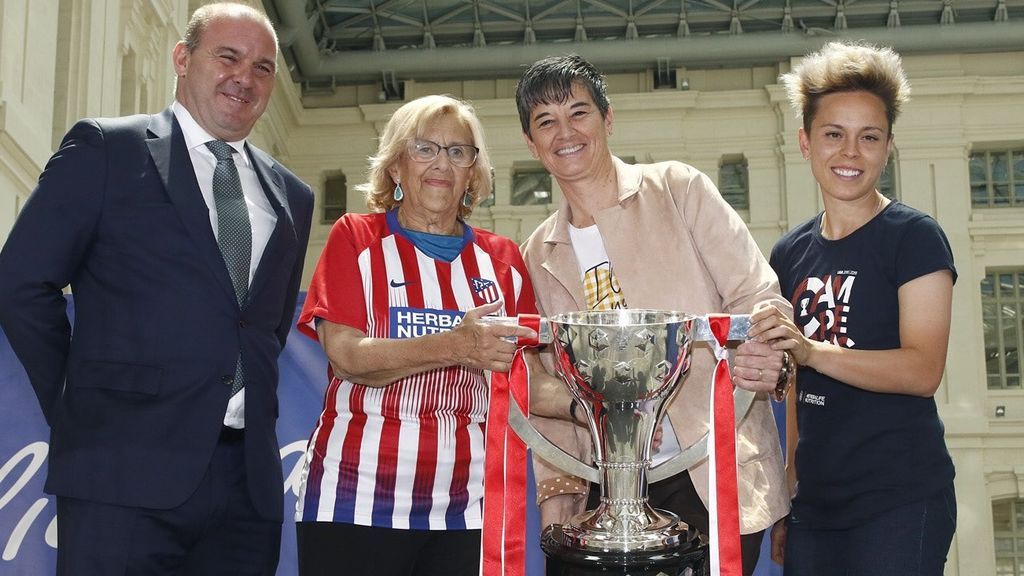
183 246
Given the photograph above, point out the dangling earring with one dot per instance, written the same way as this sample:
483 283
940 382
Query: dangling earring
467 199
398 194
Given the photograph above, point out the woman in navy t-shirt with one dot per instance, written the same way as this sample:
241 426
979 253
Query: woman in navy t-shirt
871 282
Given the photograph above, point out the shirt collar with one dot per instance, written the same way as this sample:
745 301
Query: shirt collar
197 137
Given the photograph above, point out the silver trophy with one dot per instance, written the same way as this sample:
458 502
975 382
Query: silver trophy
623 367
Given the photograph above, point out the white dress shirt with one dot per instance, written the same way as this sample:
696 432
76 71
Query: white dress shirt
262 217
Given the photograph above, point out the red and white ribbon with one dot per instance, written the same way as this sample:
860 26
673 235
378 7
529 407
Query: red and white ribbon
723 511
504 531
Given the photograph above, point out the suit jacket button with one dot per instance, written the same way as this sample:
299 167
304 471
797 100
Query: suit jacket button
242 323
228 380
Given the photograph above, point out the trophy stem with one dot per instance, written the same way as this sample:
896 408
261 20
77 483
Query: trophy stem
624 482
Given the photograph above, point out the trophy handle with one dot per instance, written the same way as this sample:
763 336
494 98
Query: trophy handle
552 454
699 450
544 448
739 325
565 462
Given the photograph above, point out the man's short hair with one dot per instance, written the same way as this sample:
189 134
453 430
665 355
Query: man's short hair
201 18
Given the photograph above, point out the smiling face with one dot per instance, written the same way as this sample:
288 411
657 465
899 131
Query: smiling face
848 145
226 80
571 138
434 190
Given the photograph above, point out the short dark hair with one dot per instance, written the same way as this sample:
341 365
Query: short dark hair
551 80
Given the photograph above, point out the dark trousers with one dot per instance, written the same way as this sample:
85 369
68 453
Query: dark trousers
329 549
215 532
677 494
910 540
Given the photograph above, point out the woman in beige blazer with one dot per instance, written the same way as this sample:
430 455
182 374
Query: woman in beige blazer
670 242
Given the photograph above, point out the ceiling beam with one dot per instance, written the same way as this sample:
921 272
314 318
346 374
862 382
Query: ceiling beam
694 51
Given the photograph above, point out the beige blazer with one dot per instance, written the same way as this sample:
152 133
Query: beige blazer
675 244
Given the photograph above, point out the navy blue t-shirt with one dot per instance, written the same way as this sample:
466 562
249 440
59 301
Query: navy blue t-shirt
860 453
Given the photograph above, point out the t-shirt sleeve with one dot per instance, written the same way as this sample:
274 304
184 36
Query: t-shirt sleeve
777 261
336 290
923 249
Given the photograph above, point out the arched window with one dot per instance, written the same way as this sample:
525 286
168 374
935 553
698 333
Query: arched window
531 184
997 178
335 202
1002 302
734 181
1008 527
889 181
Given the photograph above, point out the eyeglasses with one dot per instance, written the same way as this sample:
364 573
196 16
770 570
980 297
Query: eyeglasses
461 155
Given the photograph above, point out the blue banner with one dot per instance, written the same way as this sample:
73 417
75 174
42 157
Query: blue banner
28 528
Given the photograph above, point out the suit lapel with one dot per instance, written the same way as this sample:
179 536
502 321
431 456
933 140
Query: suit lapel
167 148
282 239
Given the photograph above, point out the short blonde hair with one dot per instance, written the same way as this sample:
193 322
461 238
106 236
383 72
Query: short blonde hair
409 122
847 67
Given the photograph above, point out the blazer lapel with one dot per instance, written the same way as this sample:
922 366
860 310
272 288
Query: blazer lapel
659 280
283 238
167 148
560 260
618 222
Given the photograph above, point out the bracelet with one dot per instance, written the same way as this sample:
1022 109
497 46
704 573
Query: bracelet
785 377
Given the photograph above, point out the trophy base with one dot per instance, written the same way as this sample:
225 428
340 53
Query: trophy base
689 558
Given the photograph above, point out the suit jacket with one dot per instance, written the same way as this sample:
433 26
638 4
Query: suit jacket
135 399
673 244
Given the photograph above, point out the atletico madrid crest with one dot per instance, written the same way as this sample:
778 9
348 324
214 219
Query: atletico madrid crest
485 290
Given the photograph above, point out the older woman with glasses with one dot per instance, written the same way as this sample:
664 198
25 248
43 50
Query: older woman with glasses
393 475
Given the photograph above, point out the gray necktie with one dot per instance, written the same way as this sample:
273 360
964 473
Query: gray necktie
234 234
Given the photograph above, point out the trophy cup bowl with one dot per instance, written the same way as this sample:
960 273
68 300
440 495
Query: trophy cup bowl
623 367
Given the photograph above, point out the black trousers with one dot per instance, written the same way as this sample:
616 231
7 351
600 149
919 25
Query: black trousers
330 548
677 495
215 532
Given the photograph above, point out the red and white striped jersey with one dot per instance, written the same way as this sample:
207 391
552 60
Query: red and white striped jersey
408 455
